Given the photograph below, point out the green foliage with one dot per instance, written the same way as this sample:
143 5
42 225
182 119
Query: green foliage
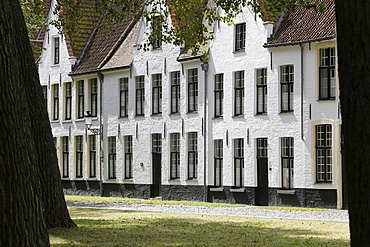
98 227
34 13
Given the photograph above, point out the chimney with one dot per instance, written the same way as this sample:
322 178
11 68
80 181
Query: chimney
269 27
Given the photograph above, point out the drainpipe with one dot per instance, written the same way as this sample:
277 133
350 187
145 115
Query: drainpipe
205 69
101 152
302 53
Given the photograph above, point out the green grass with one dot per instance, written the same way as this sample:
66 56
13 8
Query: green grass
97 227
98 199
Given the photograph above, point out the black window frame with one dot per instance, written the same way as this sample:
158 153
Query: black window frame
79 156
262 147
287 88
219 95
156 94
128 156
327 61
80 99
157 36
45 93
140 95
193 90
324 146
238 150
218 162
55 88
94 97
68 101
112 157
261 90
240 36
287 162
123 102
174 155
65 156
175 92
92 156
192 155
239 93
56 54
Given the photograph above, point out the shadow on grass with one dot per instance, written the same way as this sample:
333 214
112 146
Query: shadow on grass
112 228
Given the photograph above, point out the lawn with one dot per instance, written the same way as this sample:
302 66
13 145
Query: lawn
98 227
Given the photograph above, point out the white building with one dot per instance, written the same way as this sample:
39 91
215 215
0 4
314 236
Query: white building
253 123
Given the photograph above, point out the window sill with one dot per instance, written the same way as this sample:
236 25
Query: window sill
67 121
79 120
128 181
123 117
54 121
175 114
217 189
111 180
192 112
286 112
261 114
218 118
326 100
286 192
92 179
79 179
237 190
239 51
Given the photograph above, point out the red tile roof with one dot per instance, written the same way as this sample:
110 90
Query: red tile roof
305 25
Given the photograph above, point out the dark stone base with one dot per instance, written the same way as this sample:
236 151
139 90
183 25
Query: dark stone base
141 191
81 187
183 192
227 196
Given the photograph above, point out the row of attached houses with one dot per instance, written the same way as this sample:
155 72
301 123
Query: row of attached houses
257 122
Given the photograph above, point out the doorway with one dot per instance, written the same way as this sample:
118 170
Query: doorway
262 173
156 165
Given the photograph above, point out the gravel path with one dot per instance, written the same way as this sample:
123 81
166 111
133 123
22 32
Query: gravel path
249 211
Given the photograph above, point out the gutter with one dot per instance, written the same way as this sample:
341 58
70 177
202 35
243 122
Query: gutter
300 42
302 80
205 192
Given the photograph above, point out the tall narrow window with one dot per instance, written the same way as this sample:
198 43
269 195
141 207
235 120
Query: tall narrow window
175 92
157 93
238 162
56 50
261 147
192 155
287 161
123 103
65 148
327 73
261 91
175 156
94 97
128 157
192 90
68 100
287 85
324 160
240 30
80 100
92 158
239 93
79 156
140 97
157 32
219 94
111 157
218 145
55 101
45 93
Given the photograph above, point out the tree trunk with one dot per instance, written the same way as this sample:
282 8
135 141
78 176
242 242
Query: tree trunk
353 27
22 220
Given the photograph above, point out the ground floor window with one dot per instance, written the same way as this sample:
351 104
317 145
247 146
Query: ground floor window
238 162
287 161
324 159
111 157
192 155
218 145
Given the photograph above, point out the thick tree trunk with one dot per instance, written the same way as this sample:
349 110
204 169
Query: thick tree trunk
22 220
353 27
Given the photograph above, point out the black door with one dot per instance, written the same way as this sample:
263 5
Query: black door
262 173
156 164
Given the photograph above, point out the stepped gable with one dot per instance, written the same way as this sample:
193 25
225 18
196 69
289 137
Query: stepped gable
305 25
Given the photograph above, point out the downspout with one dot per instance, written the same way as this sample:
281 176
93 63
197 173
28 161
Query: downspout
101 152
205 69
302 80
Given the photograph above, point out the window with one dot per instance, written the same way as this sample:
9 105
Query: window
240 36
175 92
218 145
239 93
56 50
157 32
80 100
128 157
79 156
324 165
123 103
94 97
157 93
156 143
287 87
92 160
45 93
140 98
261 91
68 100
175 155
111 157
238 162
65 158
287 161
219 94
55 101
192 155
327 73
261 147
192 90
